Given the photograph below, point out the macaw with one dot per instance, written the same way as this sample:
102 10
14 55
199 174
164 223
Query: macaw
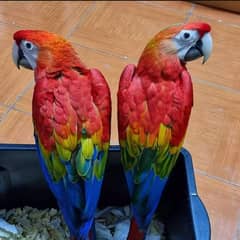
71 111
154 105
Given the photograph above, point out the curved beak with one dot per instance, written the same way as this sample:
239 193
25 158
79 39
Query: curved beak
206 46
202 48
17 54
20 59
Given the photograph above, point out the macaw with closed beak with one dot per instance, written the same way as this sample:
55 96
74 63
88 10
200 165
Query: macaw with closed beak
154 105
71 111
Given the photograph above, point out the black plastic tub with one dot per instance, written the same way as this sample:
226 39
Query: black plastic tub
180 209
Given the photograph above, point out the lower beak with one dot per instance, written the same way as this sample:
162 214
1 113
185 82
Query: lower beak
202 48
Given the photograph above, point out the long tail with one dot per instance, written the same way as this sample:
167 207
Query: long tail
91 235
145 197
134 232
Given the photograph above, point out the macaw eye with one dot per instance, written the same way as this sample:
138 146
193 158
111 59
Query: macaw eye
186 35
28 45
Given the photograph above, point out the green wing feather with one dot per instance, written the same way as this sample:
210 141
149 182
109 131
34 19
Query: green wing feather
155 152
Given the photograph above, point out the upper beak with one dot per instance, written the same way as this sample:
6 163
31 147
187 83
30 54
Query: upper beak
206 46
202 48
17 54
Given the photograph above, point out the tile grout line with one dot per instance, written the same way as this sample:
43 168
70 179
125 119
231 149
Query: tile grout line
18 97
106 53
217 178
5 113
189 13
172 9
216 85
21 111
201 16
84 15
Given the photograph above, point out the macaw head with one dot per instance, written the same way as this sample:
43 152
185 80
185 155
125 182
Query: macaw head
34 48
188 42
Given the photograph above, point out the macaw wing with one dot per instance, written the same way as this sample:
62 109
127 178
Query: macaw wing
72 135
147 140
147 135
102 100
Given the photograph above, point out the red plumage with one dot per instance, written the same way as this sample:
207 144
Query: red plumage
71 110
166 100
155 99
75 99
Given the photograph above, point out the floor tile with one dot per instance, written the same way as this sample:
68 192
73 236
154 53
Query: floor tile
60 17
24 103
223 65
108 29
218 15
213 135
3 110
16 127
172 5
13 81
222 203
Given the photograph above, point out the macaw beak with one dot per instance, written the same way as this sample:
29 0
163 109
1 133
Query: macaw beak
207 46
19 58
202 48
17 54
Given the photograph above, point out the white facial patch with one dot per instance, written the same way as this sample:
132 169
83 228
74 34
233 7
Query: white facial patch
30 52
184 41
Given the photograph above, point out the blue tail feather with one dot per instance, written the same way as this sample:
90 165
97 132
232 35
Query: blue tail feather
145 196
75 200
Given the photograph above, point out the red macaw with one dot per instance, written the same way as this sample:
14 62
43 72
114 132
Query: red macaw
71 112
154 105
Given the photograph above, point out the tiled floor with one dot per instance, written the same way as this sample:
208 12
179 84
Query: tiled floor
109 35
